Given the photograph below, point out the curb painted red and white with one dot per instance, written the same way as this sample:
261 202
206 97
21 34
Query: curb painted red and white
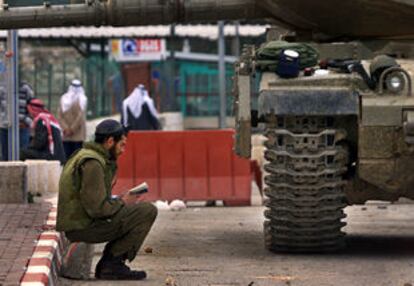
44 265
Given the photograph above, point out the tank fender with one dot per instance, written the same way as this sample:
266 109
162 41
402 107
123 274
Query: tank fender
309 102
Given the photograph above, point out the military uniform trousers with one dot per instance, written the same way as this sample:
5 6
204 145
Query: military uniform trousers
125 231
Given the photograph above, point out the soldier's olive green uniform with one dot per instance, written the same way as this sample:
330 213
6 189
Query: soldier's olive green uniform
86 211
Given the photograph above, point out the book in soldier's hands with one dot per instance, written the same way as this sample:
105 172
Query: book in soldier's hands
140 189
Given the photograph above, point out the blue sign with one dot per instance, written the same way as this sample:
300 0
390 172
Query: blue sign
156 74
129 47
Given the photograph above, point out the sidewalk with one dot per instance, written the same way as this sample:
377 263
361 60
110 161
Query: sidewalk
20 227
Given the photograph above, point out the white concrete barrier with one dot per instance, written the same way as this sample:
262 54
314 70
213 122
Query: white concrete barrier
13 182
37 176
32 176
54 171
172 121
43 176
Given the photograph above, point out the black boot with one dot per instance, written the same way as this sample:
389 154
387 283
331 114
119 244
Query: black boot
112 267
105 257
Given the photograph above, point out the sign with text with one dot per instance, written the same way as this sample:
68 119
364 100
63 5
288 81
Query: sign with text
133 50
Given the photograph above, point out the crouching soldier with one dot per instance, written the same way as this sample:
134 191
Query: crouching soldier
87 212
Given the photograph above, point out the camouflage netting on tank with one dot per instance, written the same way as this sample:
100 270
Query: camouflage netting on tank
268 55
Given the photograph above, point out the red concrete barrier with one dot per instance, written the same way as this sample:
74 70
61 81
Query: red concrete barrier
185 165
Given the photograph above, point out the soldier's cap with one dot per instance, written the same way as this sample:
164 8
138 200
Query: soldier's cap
109 127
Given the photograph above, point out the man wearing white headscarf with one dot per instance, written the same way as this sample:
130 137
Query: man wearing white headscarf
138 111
72 117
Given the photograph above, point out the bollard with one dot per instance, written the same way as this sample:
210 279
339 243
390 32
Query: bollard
77 261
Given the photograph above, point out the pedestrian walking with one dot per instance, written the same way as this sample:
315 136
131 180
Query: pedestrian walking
87 212
72 117
46 143
25 95
139 112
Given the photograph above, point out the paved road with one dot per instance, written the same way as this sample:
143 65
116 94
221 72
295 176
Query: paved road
223 246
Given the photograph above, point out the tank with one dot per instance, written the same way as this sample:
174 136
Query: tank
338 138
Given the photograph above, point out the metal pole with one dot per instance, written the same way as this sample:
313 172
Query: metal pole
13 96
236 40
49 86
64 76
171 76
35 76
89 81
222 75
102 83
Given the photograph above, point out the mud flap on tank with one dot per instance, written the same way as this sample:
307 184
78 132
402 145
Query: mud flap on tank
242 106
243 134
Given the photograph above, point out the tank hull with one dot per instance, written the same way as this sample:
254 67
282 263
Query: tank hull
347 19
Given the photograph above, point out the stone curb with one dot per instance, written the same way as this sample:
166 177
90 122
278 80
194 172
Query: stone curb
44 265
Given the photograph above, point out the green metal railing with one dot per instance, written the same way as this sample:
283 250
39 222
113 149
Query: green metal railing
197 87
196 84
50 81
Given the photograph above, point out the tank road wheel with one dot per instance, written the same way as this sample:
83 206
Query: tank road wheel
305 186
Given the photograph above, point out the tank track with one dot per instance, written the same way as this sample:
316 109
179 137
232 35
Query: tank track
305 189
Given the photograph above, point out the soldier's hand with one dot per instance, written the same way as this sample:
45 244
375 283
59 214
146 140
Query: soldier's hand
129 199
